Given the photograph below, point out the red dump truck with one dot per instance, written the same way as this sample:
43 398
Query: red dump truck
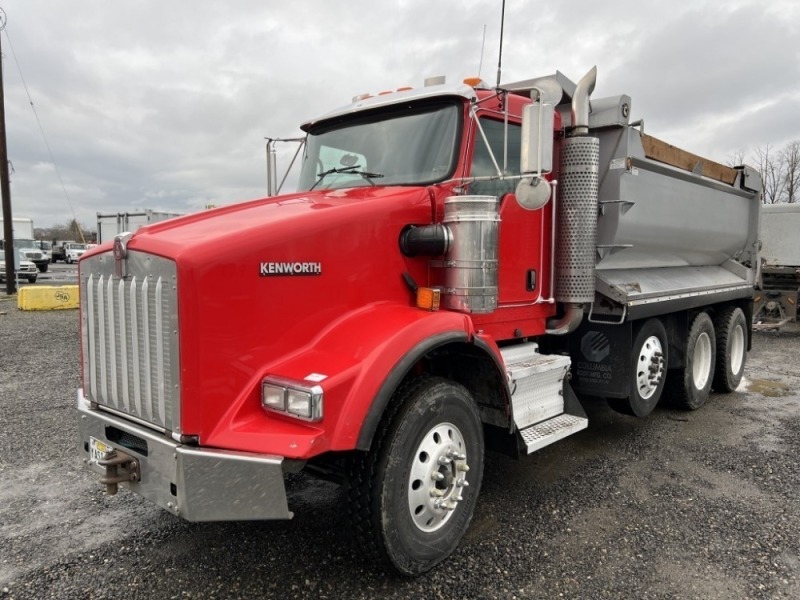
461 267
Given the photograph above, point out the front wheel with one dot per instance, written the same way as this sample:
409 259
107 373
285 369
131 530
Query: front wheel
412 496
690 385
68 260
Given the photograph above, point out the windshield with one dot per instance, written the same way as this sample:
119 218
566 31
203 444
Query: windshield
24 244
412 146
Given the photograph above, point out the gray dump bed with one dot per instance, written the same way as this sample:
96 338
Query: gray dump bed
672 227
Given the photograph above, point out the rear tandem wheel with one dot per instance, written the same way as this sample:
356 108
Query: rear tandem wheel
648 363
731 328
689 385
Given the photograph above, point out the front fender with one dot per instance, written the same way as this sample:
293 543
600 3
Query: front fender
386 340
361 358
358 360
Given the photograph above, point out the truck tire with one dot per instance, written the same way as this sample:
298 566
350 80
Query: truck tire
31 278
648 363
43 267
68 260
689 386
408 498
731 327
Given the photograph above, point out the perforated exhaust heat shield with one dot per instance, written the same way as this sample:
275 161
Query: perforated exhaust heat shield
577 220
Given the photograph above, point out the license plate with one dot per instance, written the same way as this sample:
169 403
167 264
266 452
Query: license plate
99 451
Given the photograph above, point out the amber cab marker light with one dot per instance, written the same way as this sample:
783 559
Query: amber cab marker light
428 298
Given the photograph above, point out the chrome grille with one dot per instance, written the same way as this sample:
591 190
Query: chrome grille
130 337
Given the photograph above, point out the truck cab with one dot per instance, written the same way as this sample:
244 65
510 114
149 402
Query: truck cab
46 247
69 252
29 252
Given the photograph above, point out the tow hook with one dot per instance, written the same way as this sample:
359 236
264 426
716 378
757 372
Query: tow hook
120 467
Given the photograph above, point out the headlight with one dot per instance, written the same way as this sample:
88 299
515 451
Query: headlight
273 396
292 398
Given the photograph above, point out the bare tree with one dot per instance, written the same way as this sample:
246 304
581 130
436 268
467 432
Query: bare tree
70 230
771 169
790 160
736 159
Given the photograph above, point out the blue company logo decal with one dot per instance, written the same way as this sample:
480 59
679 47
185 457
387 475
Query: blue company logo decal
273 269
595 346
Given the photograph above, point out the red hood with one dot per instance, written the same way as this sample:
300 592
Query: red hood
249 223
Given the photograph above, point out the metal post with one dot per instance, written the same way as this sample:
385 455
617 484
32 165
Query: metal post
272 176
5 187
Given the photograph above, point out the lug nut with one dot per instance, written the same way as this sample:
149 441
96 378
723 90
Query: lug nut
436 476
462 483
462 467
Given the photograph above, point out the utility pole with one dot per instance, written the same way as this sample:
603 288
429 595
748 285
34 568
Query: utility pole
5 187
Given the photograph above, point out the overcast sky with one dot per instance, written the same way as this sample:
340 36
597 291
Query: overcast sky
165 105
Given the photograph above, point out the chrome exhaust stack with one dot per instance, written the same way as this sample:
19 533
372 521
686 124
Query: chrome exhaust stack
576 244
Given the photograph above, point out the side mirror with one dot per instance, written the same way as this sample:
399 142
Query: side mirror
536 155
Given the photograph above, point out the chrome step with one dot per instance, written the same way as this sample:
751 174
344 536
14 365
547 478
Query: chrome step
536 383
543 434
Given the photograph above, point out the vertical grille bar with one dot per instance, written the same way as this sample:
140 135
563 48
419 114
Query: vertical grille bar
132 354
137 382
101 317
123 342
112 344
148 365
160 349
90 321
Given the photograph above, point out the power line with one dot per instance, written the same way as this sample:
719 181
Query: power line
44 137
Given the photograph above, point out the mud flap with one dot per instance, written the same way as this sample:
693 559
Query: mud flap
601 359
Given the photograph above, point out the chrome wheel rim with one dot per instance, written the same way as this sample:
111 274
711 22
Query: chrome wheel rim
701 364
737 349
438 476
649 367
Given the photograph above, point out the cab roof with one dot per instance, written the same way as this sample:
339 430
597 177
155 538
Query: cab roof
388 99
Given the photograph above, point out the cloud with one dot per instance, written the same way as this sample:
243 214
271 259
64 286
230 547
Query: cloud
166 105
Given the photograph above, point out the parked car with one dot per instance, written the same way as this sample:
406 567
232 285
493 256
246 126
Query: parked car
27 270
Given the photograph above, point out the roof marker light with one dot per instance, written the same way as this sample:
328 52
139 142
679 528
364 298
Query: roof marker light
475 82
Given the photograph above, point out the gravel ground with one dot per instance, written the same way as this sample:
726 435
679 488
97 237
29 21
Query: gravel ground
678 505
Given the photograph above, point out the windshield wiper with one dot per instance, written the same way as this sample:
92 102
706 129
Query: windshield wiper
350 170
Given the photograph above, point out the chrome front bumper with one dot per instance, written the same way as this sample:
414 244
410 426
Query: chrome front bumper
194 483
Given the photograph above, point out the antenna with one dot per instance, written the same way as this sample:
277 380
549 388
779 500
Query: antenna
500 58
483 44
